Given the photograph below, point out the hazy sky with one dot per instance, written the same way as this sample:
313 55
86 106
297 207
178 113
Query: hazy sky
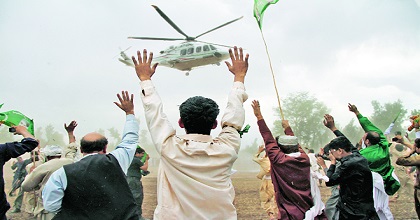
58 59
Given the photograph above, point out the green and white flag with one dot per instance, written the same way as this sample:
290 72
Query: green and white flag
259 8
15 118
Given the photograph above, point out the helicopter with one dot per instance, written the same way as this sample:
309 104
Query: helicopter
187 55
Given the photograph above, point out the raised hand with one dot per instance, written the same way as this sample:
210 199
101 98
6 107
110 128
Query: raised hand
126 102
22 130
257 111
70 128
321 162
329 122
239 65
143 66
353 109
261 148
285 123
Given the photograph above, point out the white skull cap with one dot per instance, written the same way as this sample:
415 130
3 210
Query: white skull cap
52 150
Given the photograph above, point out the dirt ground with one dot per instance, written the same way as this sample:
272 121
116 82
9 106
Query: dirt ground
247 199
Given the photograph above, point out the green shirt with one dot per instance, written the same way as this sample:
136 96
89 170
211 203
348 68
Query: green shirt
378 157
134 169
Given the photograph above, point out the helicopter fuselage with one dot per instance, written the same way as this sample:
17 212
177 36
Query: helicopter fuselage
186 56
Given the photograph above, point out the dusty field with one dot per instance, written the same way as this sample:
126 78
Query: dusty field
247 199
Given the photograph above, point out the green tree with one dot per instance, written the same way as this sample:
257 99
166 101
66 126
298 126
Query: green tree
116 137
384 114
146 143
52 137
101 131
353 131
305 114
245 155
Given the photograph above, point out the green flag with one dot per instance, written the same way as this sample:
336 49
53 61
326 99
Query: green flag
143 159
14 118
259 8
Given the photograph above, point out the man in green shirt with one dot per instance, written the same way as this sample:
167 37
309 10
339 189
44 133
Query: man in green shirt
134 173
375 150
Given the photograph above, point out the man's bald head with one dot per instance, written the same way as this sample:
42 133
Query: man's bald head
93 142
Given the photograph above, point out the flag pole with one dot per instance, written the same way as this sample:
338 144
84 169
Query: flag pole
272 74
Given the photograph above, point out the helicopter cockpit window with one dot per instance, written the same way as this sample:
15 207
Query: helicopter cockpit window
213 47
190 50
183 52
198 49
206 48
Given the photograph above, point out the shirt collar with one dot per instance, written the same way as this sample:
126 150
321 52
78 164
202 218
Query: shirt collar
89 155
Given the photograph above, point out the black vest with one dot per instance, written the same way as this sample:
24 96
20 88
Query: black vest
97 189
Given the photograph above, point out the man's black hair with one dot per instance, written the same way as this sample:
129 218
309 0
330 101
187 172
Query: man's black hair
139 150
417 142
340 142
198 114
373 137
92 146
398 133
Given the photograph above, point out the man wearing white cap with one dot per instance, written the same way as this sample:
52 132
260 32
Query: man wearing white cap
56 158
290 170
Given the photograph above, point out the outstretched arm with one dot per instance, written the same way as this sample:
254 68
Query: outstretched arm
286 127
70 131
234 114
257 111
368 125
157 122
15 149
271 148
124 152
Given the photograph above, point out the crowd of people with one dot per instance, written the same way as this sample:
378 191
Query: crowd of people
83 181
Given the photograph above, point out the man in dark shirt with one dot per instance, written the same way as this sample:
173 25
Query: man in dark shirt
355 180
20 175
134 174
9 151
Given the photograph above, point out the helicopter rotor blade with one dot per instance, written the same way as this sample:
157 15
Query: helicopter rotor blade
218 27
167 19
156 38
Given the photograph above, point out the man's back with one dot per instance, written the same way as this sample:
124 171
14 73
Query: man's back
194 172
97 189
197 172
356 187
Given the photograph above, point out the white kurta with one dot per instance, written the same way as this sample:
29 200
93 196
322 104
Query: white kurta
380 198
193 179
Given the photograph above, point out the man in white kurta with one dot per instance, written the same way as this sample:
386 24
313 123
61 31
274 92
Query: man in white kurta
193 179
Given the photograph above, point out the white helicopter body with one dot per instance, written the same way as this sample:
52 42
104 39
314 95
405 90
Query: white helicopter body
187 55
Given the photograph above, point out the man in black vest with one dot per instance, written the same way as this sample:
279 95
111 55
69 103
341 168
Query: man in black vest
95 187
